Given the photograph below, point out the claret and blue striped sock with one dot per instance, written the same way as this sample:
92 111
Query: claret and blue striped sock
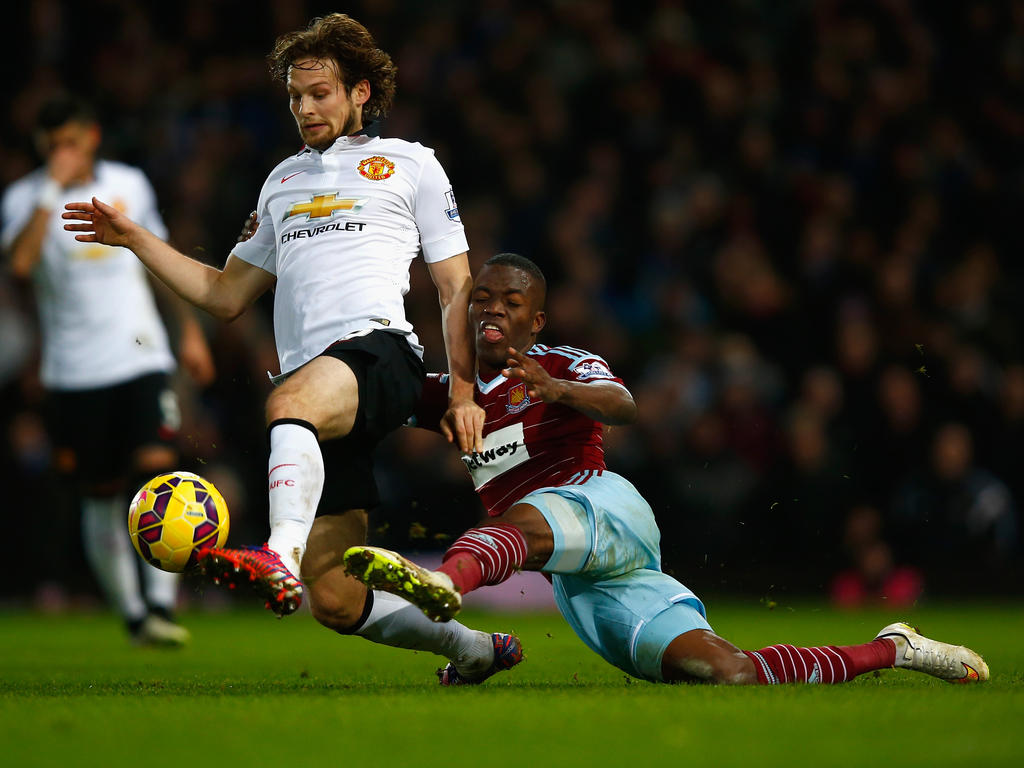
484 556
823 664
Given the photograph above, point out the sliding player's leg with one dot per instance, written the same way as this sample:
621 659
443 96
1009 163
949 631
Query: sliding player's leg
343 604
482 556
603 527
702 656
648 624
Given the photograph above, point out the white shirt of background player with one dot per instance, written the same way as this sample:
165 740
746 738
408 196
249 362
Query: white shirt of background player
98 319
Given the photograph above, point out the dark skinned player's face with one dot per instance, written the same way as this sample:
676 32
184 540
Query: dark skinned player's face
506 310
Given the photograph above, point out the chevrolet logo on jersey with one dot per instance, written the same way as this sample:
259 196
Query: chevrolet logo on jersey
325 206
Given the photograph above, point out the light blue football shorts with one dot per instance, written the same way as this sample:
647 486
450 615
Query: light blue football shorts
606 572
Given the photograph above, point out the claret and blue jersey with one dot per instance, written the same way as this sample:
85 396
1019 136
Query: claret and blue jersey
605 566
528 444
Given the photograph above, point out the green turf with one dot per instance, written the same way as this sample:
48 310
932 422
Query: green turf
254 691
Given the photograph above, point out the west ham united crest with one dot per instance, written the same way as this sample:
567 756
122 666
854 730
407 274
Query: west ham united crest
376 168
517 399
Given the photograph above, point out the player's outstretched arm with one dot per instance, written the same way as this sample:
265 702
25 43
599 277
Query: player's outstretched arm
223 293
602 401
463 422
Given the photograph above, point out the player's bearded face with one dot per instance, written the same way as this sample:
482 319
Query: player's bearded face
323 109
504 312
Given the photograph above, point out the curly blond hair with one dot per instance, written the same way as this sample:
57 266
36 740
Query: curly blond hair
350 45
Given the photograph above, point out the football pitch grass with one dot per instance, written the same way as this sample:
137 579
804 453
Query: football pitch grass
254 691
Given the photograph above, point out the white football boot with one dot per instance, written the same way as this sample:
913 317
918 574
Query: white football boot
952 663
158 631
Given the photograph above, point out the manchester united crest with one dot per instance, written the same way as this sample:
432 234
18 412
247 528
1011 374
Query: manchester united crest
376 168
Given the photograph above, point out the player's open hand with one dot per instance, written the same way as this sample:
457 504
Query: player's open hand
539 383
102 223
463 424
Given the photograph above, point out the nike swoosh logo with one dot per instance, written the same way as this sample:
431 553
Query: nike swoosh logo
971 676
290 175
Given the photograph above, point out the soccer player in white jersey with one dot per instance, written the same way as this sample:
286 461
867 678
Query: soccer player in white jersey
556 508
105 354
337 226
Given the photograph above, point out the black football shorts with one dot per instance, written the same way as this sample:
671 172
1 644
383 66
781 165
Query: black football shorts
390 377
96 431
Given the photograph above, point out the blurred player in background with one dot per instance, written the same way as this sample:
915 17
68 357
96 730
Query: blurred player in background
557 509
106 360
336 229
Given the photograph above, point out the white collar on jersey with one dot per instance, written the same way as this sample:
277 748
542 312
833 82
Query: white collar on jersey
489 386
367 133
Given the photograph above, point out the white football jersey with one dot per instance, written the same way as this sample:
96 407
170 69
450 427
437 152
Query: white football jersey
339 229
97 316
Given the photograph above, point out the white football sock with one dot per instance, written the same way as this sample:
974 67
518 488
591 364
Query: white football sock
161 587
400 624
111 555
296 480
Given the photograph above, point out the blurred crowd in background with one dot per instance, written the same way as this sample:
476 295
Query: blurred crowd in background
792 228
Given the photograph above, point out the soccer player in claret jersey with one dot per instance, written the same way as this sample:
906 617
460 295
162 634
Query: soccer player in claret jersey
556 508
337 226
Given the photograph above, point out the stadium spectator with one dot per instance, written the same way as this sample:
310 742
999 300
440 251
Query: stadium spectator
873 579
955 509
106 358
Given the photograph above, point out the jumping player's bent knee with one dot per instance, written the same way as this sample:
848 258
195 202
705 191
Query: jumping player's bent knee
340 612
